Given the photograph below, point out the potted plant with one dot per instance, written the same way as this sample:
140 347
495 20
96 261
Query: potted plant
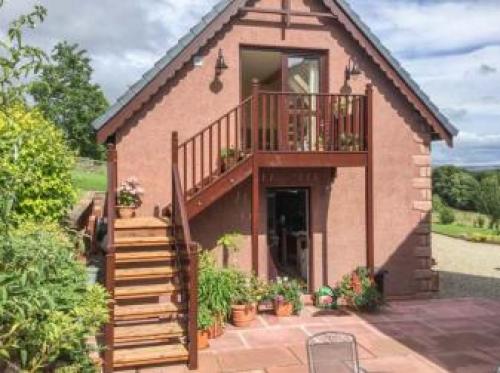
349 142
359 291
205 321
129 195
243 307
287 297
230 243
326 297
215 289
228 158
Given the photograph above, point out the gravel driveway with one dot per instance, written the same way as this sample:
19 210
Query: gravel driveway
467 269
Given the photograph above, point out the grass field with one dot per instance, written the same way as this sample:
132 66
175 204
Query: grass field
89 180
463 227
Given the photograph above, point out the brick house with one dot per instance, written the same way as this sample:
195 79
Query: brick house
288 122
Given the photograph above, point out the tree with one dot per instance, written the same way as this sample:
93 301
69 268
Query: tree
65 94
18 61
35 165
455 186
488 199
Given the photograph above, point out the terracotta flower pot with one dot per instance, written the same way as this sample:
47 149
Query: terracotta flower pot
202 339
216 330
283 309
243 314
125 212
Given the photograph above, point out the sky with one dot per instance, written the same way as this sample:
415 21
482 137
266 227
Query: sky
450 47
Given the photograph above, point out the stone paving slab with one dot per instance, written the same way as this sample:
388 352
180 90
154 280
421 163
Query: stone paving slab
441 335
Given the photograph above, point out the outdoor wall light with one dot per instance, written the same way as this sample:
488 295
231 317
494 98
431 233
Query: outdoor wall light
220 65
351 70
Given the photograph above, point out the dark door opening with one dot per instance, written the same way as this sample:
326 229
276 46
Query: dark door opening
288 233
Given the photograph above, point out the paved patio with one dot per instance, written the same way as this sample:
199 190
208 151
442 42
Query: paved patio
454 335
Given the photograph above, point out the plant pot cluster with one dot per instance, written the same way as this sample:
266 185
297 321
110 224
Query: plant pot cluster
357 290
227 294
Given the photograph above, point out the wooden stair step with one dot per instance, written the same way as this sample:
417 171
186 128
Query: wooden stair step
145 273
144 291
158 331
143 241
141 223
144 311
150 355
144 256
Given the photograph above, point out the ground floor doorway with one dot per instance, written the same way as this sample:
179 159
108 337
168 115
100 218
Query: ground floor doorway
288 233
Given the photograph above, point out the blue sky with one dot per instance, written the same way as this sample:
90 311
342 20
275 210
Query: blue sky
450 47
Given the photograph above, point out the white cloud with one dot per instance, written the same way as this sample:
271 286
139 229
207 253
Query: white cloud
416 28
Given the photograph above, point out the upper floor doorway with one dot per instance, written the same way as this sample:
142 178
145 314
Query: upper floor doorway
300 75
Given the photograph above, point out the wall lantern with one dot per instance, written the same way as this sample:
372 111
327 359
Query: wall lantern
220 65
351 70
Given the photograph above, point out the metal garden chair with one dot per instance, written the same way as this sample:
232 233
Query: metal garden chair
329 352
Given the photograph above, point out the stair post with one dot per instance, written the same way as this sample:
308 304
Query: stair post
175 162
370 218
255 115
255 177
110 255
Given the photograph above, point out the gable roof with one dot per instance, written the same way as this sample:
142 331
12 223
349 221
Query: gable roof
175 58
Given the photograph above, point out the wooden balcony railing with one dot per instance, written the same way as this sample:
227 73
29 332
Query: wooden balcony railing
311 122
273 122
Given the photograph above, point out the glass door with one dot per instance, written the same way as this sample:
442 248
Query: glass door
302 74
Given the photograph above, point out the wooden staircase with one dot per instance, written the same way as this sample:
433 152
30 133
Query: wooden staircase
149 325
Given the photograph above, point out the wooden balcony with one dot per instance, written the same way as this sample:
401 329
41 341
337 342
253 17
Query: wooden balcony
278 129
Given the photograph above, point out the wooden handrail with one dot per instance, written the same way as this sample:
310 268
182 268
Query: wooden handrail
214 123
180 222
216 148
110 254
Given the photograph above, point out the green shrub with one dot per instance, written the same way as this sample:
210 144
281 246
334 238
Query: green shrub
437 203
360 291
478 237
47 311
488 199
215 286
479 222
35 166
446 216
205 318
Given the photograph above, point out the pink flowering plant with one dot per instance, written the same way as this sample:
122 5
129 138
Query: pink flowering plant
285 290
130 193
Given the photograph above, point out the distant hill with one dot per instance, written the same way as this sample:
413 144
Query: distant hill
473 167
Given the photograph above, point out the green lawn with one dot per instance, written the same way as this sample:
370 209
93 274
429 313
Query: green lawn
87 180
463 227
